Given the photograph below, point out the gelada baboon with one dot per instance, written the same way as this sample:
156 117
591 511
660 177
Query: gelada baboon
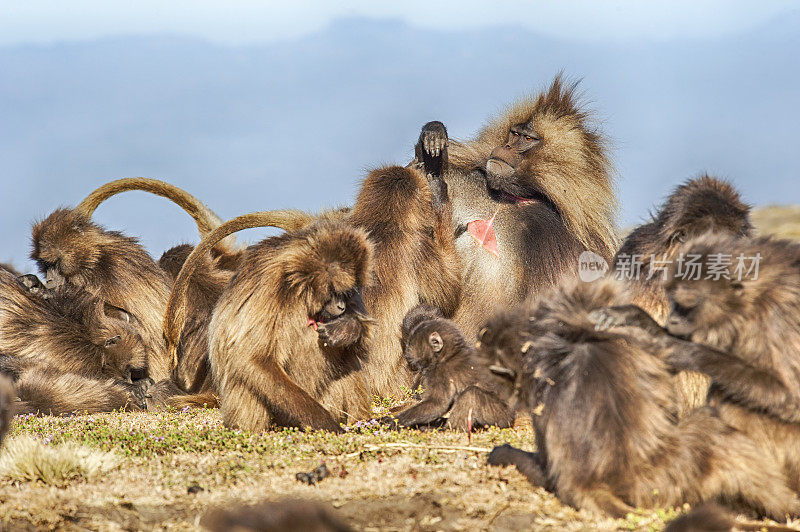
278 516
73 331
738 325
454 378
530 193
603 415
72 250
405 212
69 352
695 207
288 335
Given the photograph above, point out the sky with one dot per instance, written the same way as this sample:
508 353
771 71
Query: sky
263 105
237 22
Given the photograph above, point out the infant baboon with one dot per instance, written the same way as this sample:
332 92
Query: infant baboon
603 413
453 376
695 207
741 328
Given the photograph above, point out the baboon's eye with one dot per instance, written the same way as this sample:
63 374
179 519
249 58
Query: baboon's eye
528 137
514 134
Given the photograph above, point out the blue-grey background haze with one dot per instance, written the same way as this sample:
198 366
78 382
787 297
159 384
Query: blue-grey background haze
259 105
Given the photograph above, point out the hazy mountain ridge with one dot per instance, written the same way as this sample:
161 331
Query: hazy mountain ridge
297 123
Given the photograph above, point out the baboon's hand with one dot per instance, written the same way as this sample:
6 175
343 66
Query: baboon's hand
138 391
503 455
433 138
340 332
622 316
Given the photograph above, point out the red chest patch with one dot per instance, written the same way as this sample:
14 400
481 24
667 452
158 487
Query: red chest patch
483 232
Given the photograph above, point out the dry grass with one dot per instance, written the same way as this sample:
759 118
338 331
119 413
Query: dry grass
382 480
782 221
26 459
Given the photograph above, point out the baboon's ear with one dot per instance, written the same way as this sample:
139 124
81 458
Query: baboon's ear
436 342
113 340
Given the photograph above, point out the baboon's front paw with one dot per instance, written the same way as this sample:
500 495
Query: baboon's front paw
433 138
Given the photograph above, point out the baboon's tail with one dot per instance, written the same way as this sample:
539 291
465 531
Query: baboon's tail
205 218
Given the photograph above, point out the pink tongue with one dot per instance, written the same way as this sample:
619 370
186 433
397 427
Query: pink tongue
483 232
312 323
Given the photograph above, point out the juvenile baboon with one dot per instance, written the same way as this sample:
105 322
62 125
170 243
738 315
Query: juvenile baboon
72 250
739 326
288 327
695 207
281 516
454 378
529 194
605 430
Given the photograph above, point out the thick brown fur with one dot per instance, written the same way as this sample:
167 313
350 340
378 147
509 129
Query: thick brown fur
743 334
455 380
281 516
71 249
269 366
695 207
42 389
9 268
7 400
605 428
572 206
711 517
71 331
406 214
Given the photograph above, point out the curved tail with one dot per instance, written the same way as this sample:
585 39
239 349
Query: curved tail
175 315
205 218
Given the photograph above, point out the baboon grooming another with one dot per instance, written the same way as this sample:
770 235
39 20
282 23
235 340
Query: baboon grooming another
742 330
529 194
603 416
454 378
71 331
289 333
72 250
699 205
